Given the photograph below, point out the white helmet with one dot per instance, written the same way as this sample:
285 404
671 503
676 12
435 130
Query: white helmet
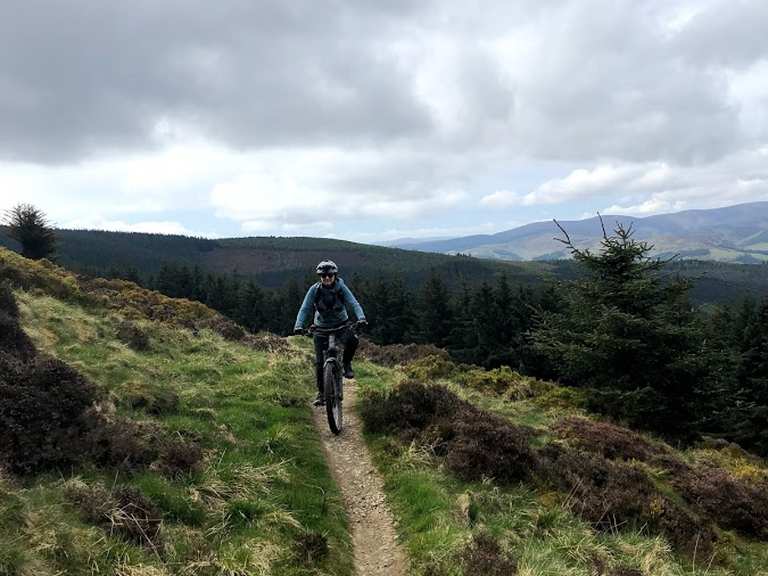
327 267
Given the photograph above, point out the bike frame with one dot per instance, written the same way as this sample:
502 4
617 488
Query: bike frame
332 365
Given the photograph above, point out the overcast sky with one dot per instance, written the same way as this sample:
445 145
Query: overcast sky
371 119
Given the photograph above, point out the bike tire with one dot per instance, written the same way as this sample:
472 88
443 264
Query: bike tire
331 373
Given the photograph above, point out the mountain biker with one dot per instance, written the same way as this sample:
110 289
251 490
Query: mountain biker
328 297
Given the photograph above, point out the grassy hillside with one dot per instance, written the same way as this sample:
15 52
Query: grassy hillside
246 491
525 482
213 467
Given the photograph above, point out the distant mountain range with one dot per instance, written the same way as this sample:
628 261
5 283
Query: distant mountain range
733 234
737 234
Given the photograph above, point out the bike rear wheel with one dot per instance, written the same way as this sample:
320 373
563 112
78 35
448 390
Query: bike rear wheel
332 386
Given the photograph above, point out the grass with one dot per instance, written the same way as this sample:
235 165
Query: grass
438 515
264 484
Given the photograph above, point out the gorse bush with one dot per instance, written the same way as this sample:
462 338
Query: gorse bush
394 354
431 367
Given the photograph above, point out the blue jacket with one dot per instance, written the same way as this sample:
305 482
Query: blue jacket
329 305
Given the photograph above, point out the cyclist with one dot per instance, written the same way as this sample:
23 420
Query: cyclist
329 298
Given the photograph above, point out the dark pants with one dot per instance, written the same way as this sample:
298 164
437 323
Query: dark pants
346 338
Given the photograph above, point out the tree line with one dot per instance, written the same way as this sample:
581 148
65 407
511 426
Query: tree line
625 332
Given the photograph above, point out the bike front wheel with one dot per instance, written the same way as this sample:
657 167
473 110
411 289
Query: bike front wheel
332 385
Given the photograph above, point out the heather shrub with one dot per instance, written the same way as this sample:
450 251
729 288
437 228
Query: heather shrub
601 491
484 557
610 494
137 445
476 444
609 440
733 503
488 446
41 274
179 454
43 419
13 340
408 409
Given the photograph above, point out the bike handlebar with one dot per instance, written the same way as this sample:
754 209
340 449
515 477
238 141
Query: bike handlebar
354 326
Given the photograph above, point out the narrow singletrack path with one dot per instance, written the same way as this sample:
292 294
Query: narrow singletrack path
377 551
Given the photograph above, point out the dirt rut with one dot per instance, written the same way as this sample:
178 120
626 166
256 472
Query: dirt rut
377 551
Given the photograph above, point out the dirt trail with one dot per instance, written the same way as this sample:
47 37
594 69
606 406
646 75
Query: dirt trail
377 551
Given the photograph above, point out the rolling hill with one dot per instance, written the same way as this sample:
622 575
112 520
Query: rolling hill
270 261
733 234
274 261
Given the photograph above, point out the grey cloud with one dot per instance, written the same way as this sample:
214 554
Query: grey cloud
726 33
80 76
600 79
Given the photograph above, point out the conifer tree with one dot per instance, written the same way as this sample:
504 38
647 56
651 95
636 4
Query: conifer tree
30 227
627 333
436 315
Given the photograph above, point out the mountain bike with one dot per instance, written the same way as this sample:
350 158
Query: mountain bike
333 373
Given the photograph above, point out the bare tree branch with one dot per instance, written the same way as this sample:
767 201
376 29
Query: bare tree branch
602 225
567 240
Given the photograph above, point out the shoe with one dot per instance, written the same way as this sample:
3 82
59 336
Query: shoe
319 400
348 374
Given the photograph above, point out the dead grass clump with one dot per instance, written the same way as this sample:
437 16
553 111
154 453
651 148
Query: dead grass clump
734 504
179 455
125 511
484 557
267 342
311 546
135 517
608 440
152 398
132 335
394 354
